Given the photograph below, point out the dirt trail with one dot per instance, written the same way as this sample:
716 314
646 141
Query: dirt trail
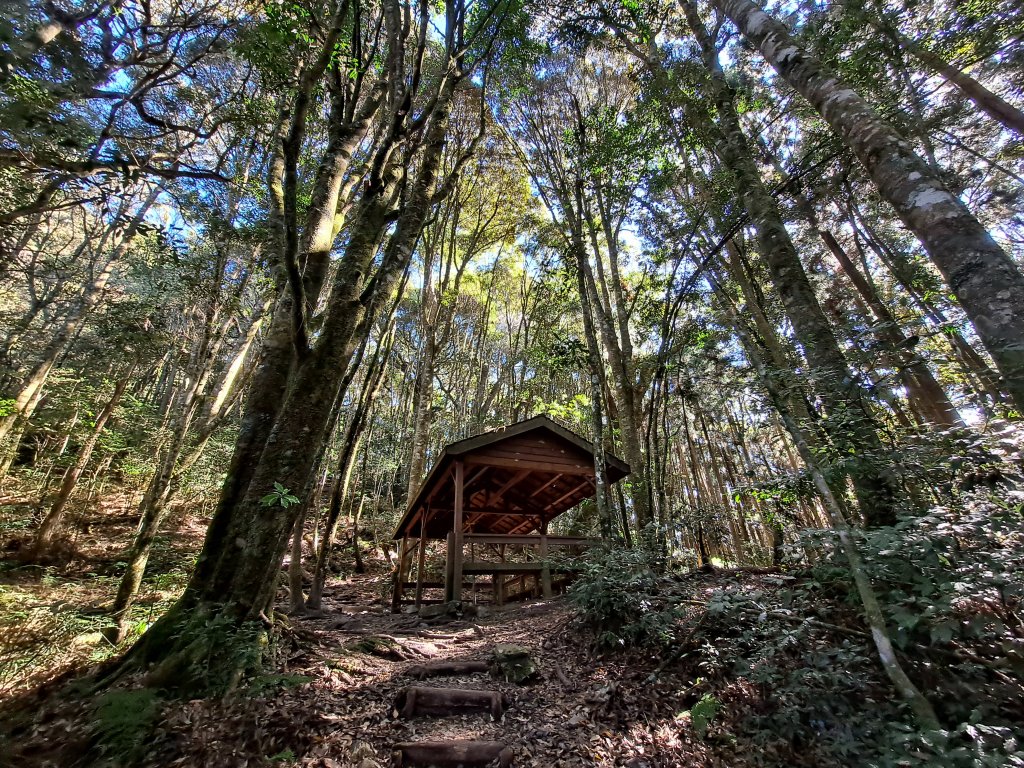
332 701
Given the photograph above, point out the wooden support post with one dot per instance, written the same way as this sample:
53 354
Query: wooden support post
545 570
396 595
421 557
449 565
499 579
460 483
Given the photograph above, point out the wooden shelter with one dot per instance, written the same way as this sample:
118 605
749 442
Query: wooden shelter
495 492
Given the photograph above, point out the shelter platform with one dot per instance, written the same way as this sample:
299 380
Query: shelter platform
496 493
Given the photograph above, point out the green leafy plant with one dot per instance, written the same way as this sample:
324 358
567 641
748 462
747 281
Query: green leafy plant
620 595
124 724
703 712
279 497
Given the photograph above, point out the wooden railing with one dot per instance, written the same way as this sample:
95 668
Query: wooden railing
527 539
541 567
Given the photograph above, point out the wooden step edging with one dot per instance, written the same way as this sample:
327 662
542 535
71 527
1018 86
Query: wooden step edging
443 668
419 700
458 752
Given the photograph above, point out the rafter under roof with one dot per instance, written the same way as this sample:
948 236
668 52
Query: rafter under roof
518 478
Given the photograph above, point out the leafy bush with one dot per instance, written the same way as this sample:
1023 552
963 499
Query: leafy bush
621 596
124 724
703 712
951 583
789 658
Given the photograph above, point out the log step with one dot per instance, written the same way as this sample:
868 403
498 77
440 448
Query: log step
460 752
442 668
421 700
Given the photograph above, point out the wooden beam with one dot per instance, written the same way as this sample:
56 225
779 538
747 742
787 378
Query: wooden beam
449 562
565 496
438 485
546 485
476 476
429 513
396 595
460 485
498 512
539 466
513 497
416 517
528 540
545 565
495 497
421 557
480 568
534 521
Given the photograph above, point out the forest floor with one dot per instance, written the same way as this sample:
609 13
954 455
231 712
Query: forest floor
751 677
330 699
330 703
52 612
326 698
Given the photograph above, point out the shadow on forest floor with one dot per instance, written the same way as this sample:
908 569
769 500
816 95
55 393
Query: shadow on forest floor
51 613
326 699
760 668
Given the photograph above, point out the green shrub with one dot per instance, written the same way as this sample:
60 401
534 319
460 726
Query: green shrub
124 723
621 596
703 713
951 583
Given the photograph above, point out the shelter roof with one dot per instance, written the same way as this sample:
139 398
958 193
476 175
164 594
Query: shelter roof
516 479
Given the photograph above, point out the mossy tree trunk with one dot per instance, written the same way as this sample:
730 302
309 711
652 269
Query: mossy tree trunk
981 275
850 422
232 589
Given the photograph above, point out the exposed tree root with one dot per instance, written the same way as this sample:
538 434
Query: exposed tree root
192 651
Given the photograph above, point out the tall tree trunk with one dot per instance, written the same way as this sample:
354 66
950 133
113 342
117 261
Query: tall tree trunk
704 492
270 382
735 521
604 511
781 354
990 103
422 414
170 465
901 268
51 525
775 385
613 320
12 426
243 552
350 442
850 423
929 396
229 597
357 513
982 277
296 600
